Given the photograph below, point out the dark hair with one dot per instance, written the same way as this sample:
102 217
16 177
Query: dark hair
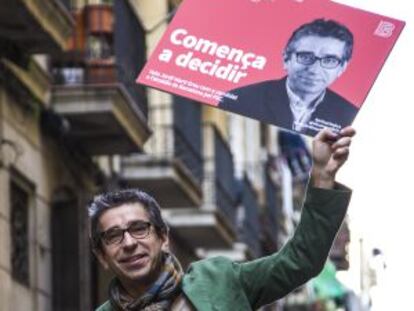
322 28
109 200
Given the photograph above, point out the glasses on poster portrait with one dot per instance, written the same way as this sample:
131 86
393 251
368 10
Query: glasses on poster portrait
114 236
309 58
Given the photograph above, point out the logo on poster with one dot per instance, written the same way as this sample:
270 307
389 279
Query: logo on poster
384 29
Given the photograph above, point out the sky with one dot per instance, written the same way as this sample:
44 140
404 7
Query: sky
381 166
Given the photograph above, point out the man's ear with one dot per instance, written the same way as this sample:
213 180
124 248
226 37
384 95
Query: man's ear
165 246
286 59
342 69
101 257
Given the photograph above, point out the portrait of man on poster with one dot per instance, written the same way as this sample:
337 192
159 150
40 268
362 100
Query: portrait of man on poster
316 55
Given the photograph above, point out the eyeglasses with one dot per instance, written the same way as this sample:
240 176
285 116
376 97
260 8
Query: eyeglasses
308 58
137 229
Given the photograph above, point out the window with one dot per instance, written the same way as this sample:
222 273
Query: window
19 199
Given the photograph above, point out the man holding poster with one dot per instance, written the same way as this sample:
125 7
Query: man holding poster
130 238
316 54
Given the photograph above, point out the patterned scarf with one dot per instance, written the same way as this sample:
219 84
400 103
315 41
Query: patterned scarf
160 295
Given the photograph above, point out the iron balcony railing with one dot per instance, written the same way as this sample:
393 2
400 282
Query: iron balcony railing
224 178
189 155
187 117
130 51
271 208
169 142
250 223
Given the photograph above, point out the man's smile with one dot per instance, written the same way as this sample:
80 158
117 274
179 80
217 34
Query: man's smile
135 260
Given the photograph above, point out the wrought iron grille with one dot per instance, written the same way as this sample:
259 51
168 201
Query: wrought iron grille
187 135
19 233
251 224
130 52
272 212
225 182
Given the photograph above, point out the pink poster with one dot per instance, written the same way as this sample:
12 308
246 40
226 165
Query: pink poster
298 64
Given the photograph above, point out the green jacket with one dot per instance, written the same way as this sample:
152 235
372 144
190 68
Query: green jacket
220 284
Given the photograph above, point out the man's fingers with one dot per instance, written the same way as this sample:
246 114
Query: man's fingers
348 131
342 142
341 153
326 135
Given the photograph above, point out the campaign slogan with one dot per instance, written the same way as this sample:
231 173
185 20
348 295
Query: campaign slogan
187 86
217 60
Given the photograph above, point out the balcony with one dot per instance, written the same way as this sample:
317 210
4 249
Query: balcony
249 227
41 26
249 244
173 165
103 117
214 225
95 81
174 174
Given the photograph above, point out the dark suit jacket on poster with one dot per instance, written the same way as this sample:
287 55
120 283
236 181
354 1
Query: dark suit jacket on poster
268 102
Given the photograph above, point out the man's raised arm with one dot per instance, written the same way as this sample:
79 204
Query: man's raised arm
303 257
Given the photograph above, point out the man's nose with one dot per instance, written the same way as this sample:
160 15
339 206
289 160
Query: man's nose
315 67
129 240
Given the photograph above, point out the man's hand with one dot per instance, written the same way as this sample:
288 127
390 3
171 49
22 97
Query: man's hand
330 151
